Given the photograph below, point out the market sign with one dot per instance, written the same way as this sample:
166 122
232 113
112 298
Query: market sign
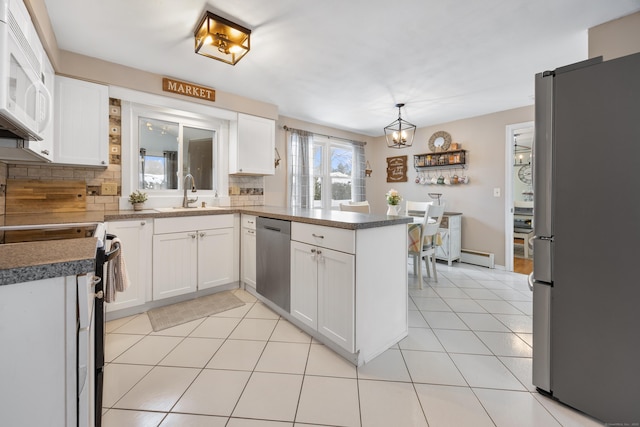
188 89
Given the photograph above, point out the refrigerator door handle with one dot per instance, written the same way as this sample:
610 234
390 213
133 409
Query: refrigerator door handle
541 371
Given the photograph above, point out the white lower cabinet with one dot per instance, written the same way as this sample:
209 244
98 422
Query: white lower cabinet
216 258
248 249
451 233
136 237
323 288
189 260
38 360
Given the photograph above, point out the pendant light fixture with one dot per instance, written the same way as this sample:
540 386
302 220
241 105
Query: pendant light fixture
400 133
221 39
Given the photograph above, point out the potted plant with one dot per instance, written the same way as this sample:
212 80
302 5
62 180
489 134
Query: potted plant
393 202
137 199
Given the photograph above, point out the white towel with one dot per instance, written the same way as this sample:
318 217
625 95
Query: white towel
117 277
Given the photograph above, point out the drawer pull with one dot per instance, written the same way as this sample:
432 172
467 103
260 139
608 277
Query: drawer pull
318 236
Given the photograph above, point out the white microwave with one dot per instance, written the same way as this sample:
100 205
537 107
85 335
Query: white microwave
25 102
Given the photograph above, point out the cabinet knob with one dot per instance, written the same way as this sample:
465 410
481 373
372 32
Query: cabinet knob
313 251
143 223
193 235
103 162
45 152
203 234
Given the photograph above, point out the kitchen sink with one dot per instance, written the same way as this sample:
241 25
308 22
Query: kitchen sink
190 209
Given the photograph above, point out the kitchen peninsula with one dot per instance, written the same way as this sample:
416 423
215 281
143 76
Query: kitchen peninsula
356 301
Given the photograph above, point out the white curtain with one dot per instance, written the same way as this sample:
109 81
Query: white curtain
299 169
358 190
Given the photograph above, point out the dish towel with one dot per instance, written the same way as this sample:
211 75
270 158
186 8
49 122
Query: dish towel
117 278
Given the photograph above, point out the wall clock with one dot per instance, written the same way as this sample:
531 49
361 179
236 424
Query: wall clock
524 174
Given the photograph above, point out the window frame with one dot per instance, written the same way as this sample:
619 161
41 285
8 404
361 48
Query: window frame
326 194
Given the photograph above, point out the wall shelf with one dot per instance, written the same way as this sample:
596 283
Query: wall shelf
444 160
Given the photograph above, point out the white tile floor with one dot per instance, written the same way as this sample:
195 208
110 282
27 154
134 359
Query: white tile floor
466 362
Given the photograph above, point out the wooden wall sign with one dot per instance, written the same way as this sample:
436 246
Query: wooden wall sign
188 89
397 169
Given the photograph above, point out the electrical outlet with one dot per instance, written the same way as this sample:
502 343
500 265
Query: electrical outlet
496 192
109 189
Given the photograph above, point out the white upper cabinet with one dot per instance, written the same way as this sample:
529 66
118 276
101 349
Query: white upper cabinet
252 146
81 122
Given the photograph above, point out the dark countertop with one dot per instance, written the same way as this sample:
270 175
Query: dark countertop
330 218
21 262
25 262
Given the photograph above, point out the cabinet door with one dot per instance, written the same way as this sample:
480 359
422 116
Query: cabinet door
81 122
249 257
336 299
304 283
216 258
254 150
136 237
175 264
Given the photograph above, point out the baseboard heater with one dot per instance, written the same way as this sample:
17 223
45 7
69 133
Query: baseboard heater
484 259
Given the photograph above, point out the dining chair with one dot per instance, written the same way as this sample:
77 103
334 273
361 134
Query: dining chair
416 208
362 207
427 242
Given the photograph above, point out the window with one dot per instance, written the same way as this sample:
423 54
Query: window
324 171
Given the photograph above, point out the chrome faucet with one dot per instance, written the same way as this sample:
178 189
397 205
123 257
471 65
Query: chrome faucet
185 201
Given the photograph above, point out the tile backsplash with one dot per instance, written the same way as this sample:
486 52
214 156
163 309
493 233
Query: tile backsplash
94 177
3 188
246 190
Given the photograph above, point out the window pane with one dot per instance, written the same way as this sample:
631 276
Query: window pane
341 171
317 160
340 191
317 192
158 141
198 156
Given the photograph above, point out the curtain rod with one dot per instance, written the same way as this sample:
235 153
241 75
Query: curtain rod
287 128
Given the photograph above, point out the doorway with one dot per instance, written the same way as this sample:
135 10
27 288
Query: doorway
519 226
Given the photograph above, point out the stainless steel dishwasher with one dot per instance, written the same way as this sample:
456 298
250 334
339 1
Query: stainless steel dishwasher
273 240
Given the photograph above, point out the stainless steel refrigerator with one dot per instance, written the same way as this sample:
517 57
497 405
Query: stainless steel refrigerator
586 268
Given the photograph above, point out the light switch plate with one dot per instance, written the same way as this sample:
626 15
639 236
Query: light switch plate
109 189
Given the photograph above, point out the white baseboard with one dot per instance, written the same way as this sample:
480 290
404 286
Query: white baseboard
484 259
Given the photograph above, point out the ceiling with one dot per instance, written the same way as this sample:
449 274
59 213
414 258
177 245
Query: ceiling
346 64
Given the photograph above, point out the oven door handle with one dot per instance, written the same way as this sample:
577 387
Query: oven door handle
113 252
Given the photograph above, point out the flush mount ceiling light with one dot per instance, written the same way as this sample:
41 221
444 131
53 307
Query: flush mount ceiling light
400 133
221 39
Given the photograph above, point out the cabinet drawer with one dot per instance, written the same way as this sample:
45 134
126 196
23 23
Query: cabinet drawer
337 239
190 223
249 221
